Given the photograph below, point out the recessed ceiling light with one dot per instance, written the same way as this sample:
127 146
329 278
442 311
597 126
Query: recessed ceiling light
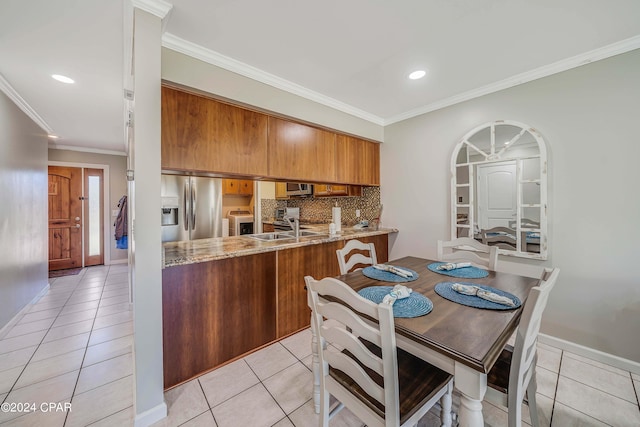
418 74
63 79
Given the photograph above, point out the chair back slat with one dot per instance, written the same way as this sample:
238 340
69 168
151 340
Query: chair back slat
347 262
349 341
349 366
466 249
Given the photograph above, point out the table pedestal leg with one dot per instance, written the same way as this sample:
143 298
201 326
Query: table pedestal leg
472 386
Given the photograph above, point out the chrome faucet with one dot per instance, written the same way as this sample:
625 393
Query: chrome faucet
294 223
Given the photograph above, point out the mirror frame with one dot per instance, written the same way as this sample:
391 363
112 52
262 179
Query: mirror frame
496 156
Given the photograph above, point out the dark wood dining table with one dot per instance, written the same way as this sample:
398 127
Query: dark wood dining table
464 341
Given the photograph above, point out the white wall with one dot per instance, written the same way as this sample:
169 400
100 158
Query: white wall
194 73
589 117
117 186
23 217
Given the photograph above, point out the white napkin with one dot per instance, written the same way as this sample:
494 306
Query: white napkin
398 292
484 294
395 270
452 266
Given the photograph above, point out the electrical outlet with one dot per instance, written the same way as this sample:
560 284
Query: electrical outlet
114 212
357 213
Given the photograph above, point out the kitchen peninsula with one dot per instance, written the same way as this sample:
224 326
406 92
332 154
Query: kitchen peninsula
226 297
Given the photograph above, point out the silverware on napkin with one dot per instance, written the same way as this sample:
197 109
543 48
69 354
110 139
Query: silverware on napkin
398 292
395 270
482 293
452 266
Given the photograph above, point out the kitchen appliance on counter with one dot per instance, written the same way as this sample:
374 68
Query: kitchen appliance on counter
298 189
191 207
240 222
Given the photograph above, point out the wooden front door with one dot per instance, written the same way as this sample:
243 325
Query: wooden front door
65 217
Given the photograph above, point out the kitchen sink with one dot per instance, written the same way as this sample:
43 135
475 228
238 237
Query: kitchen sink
271 236
303 233
283 235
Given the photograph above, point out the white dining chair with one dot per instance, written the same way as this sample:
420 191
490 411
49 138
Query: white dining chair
512 380
347 261
466 249
500 237
381 384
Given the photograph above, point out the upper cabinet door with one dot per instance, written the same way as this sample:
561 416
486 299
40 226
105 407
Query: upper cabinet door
297 151
201 134
357 161
186 130
240 141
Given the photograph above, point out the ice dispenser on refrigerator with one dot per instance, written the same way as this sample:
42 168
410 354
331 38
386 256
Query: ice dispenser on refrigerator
169 211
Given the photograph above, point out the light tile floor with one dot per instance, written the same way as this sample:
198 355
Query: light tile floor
74 345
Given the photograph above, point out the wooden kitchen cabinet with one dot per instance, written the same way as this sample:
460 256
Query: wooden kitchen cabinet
202 134
281 190
299 152
330 190
293 264
268 227
317 261
242 187
215 311
357 161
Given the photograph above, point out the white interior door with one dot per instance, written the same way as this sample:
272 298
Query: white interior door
497 192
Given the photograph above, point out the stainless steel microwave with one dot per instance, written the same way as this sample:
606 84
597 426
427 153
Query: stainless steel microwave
297 189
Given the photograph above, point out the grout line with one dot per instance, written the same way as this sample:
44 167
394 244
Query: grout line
104 418
73 394
633 384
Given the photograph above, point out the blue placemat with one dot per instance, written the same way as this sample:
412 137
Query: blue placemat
464 272
414 305
444 290
386 276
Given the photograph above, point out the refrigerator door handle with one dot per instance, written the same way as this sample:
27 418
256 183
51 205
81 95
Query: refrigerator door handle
193 207
185 211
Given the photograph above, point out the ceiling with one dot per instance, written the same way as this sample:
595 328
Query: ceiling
354 56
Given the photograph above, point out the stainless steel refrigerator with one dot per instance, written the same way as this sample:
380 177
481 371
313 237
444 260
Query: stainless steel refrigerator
191 207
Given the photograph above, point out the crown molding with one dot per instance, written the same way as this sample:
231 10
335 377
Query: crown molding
55 146
194 50
11 93
158 8
178 44
538 73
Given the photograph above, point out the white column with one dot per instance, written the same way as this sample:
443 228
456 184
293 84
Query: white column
144 199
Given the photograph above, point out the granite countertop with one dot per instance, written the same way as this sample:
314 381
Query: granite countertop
202 250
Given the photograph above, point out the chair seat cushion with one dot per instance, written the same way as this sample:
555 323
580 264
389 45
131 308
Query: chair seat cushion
418 382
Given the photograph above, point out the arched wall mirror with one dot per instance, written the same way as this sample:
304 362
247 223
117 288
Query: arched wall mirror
499 188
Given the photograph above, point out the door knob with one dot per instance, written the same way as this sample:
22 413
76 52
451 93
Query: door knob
77 225
77 218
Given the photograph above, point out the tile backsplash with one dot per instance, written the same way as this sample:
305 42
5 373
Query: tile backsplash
318 209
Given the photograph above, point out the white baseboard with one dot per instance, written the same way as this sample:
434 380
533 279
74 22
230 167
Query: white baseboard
151 416
590 353
118 261
15 319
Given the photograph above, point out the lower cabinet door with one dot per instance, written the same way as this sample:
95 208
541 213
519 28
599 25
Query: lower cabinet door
215 311
317 261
